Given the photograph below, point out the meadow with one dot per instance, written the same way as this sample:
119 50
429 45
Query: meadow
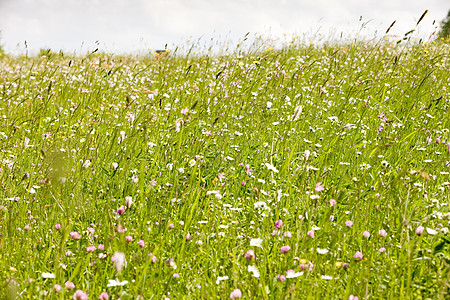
301 172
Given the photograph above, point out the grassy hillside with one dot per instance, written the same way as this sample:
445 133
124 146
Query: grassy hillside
307 172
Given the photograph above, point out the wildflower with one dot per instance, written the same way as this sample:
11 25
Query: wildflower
348 223
188 237
171 263
322 251
69 285
75 235
119 261
345 265
86 164
326 277
253 269
192 162
90 248
103 296
221 278
134 178
358 255
121 136
176 275
128 238
121 210
271 167
285 249
311 233
366 234
57 288
79 294
333 202
129 201
382 249
419 230
351 297
48 275
281 277
184 111
114 165
382 233
319 187
221 176
236 294
101 247
384 164
153 182
116 282
248 170
58 226
287 234
431 231
250 254
306 154
278 224
292 274
256 242
141 243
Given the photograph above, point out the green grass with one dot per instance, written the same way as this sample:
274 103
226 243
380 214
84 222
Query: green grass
372 126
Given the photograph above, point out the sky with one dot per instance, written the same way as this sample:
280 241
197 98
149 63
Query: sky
135 26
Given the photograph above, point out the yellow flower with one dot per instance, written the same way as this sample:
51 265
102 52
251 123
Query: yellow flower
303 261
338 264
12 269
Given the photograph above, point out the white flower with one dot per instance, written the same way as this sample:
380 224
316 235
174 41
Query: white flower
254 270
129 201
256 242
293 274
326 277
269 104
48 275
322 251
271 167
86 164
314 197
260 204
212 192
116 282
221 278
192 162
119 261
431 231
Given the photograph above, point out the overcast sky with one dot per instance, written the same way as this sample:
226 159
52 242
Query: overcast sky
136 25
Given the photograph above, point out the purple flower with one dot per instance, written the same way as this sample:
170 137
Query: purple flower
103 296
250 254
319 187
358 255
236 294
285 249
420 230
278 224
